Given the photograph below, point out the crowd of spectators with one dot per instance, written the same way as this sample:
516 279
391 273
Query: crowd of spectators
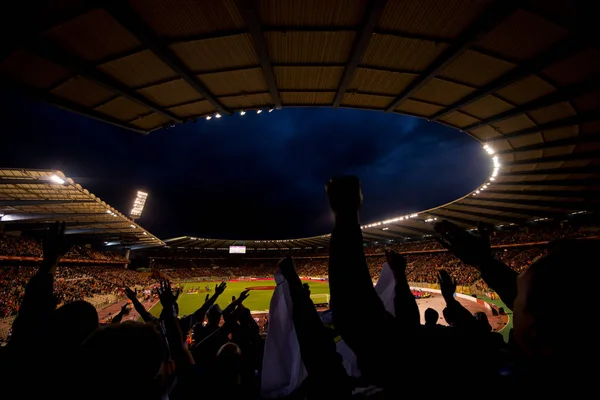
371 340
21 246
70 284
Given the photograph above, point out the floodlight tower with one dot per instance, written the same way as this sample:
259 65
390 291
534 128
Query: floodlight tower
136 211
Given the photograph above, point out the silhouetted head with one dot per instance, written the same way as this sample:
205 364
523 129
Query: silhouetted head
228 365
131 352
551 322
72 323
482 321
214 314
431 317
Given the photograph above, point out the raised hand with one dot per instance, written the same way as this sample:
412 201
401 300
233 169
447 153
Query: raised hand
220 288
396 262
131 294
345 195
447 284
472 250
125 309
178 292
55 245
165 294
243 296
207 297
286 266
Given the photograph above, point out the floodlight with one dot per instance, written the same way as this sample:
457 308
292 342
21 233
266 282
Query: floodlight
242 112
138 204
217 115
57 179
208 117
258 111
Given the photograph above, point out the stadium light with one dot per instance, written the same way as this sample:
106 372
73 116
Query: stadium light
217 115
270 110
242 112
57 179
258 111
132 225
208 117
138 204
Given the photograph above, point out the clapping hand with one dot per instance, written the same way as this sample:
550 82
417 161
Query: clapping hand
131 294
472 250
220 288
125 309
447 284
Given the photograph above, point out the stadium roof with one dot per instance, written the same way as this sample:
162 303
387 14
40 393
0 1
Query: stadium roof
522 77
31 199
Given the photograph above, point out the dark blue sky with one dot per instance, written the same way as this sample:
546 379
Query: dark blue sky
251 177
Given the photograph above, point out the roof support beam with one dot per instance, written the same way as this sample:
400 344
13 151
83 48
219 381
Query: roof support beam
130 20
556 53
250 15
577 194
491 18
58 56
554 182
591 155
495 217
575 140
550 203
374 9
561 123
40 95
563 94
467 221
520 211
590 169
17 203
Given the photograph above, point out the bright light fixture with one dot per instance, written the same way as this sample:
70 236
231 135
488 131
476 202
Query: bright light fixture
132 225
217 115
258 111
208 117
242 112
270 110
57 179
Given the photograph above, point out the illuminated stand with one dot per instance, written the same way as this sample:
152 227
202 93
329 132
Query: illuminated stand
136 211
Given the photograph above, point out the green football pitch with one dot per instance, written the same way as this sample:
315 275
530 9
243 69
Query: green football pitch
258 300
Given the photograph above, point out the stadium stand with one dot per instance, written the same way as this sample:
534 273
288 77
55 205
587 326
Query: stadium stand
519 76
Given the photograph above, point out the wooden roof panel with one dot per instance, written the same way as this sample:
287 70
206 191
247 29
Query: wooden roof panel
170 93
300 78
318 13
83 91
150 122
525 90
32 69
458 119
437 18
365 101
128 71
248 101
217 53
307 98
106 39
514 124
476 69
189 18
309 47
487 107
375 81
193 109
123 109
582 66
417 55
417 107
552 113
533 33
442 92
235 82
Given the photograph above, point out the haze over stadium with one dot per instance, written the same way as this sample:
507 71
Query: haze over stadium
181 198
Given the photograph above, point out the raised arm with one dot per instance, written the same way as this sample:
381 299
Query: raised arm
323 364
353 296
463 318
139 307
475 251
201 312
405 305
38 302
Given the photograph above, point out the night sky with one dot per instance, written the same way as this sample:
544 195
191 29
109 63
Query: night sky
251 177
